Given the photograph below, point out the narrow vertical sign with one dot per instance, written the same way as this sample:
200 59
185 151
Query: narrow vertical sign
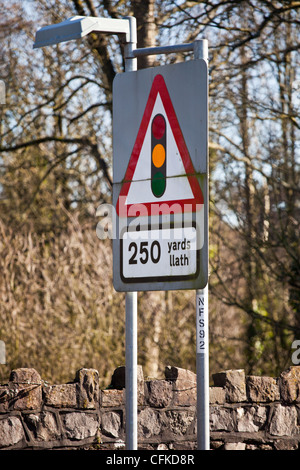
202 323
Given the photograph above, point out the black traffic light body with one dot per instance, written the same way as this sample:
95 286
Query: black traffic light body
158 155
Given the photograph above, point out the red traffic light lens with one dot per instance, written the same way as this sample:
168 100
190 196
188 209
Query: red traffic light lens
158 126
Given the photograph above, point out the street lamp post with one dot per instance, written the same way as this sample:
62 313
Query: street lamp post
79 26
75 28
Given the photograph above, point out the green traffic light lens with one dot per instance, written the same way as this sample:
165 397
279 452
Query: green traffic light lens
158 184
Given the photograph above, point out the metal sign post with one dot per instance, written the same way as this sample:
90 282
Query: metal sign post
202 366
75 28
202 333
131 303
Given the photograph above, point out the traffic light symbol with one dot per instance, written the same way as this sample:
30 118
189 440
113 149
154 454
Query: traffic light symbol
158 155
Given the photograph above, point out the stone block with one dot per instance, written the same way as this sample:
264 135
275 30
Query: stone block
111 424
118 378
112 398
184 377
11 431
185 397
216 395
180 422
221 419
79 425
262 389
149 423
251 419
283 421
235 446
118 381
26 389
43 426
61 396
286 444
234 382
169 423
160 393
289 384
184 385
4 398
87 388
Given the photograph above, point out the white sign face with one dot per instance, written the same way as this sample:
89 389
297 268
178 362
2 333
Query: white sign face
159 254
140 191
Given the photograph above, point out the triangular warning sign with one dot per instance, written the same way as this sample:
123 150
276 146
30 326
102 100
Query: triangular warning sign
160 170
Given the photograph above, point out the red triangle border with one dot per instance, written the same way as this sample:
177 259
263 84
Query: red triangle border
176 206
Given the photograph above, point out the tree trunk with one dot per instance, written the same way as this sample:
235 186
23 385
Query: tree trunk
146 29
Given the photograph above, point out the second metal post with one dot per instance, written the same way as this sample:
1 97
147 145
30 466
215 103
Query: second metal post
202 339
131 304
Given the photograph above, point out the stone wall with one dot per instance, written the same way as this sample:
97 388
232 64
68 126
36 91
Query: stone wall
246 412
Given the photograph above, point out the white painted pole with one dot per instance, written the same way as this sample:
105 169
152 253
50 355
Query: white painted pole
201 49
131 303
202 364
131 370
130 60
202 338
